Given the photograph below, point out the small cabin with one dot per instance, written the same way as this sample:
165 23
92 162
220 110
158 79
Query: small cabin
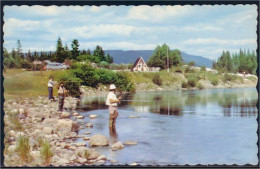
140 65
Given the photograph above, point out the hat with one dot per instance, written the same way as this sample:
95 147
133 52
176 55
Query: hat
112 87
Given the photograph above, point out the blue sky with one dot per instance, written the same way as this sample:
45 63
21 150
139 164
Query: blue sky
199 30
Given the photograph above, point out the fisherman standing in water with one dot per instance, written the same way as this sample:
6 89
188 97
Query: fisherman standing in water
112 102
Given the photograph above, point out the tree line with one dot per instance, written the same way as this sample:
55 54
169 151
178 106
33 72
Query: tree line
243 61
18 59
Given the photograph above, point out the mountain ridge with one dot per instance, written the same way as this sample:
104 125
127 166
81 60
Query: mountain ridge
130 56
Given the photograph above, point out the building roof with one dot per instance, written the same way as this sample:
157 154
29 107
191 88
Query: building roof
137 60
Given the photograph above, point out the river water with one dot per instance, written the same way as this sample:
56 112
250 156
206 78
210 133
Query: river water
213 126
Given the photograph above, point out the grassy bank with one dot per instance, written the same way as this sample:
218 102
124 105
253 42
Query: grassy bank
187 78
22 83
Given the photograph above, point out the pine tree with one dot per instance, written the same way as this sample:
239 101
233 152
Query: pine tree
29 56
19 48
75 49
99 53
59 51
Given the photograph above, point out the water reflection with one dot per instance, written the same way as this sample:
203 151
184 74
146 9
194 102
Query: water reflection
227 102
113 137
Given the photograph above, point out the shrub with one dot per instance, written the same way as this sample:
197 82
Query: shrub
123 82
157 80
203 68
227 77
178 70
189 70
214 81
23 149
184 85
200 86
71 83
92 77
191 82
192 63
46 153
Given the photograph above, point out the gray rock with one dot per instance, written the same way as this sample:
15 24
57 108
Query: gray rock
72 158
101 157
92 154
98 140
75 114
47 130
11 148
66 126
92 116
82 160
117 145
130 142
65 115
80 117
86 138
11 133
89 125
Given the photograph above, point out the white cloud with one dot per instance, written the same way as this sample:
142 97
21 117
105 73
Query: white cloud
126 45
201 28
207 41
13 24
94 9
157 13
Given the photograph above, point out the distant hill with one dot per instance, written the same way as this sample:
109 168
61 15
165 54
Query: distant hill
130 56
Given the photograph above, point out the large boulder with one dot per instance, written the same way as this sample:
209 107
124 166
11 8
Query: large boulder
98 140
66 126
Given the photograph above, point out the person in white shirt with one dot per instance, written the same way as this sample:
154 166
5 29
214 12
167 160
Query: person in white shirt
50 88
112 102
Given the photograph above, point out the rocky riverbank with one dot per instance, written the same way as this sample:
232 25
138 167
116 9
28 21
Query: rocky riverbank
39 119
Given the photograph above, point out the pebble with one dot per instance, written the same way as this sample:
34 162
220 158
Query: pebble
80 117
89 125
92 116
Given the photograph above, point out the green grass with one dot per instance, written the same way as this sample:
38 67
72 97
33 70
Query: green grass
23 149
46 153
20 83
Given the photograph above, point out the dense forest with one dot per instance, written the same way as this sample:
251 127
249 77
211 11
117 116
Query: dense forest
243 61
18 59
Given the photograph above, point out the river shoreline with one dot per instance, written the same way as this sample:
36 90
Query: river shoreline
39 118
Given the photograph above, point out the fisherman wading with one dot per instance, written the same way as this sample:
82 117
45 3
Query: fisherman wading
112 102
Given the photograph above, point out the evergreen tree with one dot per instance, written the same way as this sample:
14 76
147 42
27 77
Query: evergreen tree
29 56
75 49
59 51
99 53
19 48
67 53
88 52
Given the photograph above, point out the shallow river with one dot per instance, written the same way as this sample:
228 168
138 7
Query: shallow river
215 126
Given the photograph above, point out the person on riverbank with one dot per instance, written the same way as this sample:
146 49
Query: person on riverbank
50 89
61 92
112 102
